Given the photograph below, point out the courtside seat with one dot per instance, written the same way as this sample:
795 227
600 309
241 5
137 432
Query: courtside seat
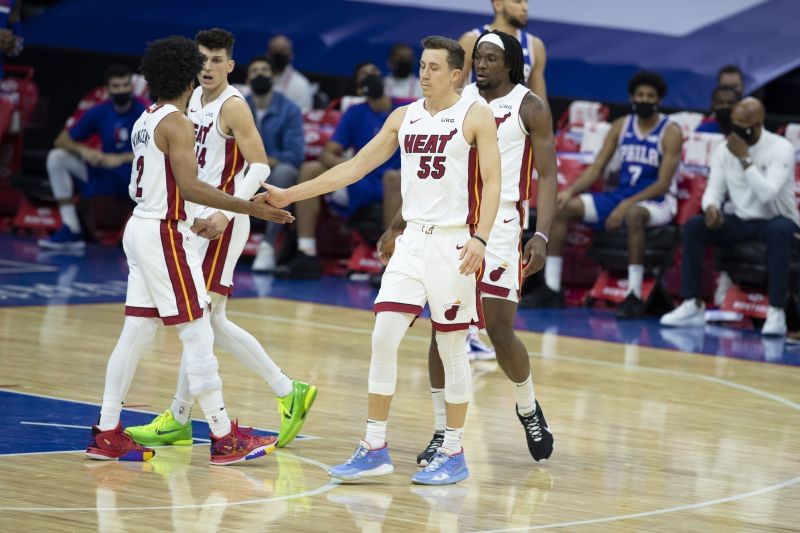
610 248
746 262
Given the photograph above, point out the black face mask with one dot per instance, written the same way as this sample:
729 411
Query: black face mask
121 99
747 134
402 69
644 109
280 61
261 85
372 86
723 119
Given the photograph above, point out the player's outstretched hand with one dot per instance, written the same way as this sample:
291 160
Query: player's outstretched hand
471 257
275 195
535 253
259 208
205 228
386 245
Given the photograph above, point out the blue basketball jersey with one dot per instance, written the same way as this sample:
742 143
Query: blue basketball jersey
640 155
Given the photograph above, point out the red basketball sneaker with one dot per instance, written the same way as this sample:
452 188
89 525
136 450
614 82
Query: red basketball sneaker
241 444
114 444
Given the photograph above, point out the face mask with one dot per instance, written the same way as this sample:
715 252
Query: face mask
372 86
280 61
402 69
724 120
261 85
644 109
747 134
121 99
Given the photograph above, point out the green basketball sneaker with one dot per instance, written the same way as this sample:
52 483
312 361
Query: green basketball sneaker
164 430
294 407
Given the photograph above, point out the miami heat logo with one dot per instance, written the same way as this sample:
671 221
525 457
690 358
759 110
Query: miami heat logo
500 120
495 274
452 311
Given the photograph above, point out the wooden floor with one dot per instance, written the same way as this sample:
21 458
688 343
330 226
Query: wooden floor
646 440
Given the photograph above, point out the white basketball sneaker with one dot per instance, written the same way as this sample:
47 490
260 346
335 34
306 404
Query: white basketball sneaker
775 323
686 314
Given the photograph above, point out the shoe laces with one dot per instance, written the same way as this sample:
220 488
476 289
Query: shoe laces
437 461
160 421
533 427
435 443
360 453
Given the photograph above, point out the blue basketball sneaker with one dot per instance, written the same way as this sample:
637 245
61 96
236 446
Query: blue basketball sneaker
364 463
443 469
63 239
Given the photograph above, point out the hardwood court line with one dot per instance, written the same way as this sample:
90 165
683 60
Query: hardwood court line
312 492
714 379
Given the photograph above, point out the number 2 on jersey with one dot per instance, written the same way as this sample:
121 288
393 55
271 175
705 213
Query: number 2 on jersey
140 170
431 166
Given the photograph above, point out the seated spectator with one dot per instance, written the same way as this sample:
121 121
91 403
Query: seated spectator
756 170
286 79
650 148
733 76
723 99
102 172
358 125
11 42
402 82
280 124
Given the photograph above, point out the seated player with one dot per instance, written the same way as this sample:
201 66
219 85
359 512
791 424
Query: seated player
650 148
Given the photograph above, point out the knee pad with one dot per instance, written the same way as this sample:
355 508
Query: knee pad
203 375
389 330
457 373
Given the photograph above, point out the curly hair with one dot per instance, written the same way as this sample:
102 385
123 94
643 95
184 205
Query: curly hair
514 58
170 66
651 79
216 39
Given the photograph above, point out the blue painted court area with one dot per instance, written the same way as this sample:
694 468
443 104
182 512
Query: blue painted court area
41 424
29 276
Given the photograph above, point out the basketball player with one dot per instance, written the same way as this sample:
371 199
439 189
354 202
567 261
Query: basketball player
524 128
650 148
438 255
511 17
225 139
165 279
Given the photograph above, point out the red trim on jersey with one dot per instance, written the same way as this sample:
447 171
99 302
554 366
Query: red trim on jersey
521 211
397 307
481 322
526 170
234 163
180 275
214 262
145 312
445 328
155 107
494 290
176 209
474 187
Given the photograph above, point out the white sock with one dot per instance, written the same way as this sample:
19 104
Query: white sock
213 407
110 412
452 440
439 410
246 348
376 433
525 396
307 245
635 279
181 410
70 217
552 272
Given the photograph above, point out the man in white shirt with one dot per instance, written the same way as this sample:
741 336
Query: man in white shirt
402 83
286 79
756 170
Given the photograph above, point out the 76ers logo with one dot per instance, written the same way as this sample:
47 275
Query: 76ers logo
451 310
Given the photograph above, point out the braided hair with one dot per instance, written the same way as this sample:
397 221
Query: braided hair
513 55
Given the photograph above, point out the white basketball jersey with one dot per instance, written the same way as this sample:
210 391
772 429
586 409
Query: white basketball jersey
219 161
439 177
153 185
513 140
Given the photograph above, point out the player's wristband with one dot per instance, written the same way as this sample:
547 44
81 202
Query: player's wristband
542 235
479 239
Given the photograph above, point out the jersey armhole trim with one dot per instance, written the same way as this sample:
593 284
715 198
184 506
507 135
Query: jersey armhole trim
155 143
464 120
216 126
